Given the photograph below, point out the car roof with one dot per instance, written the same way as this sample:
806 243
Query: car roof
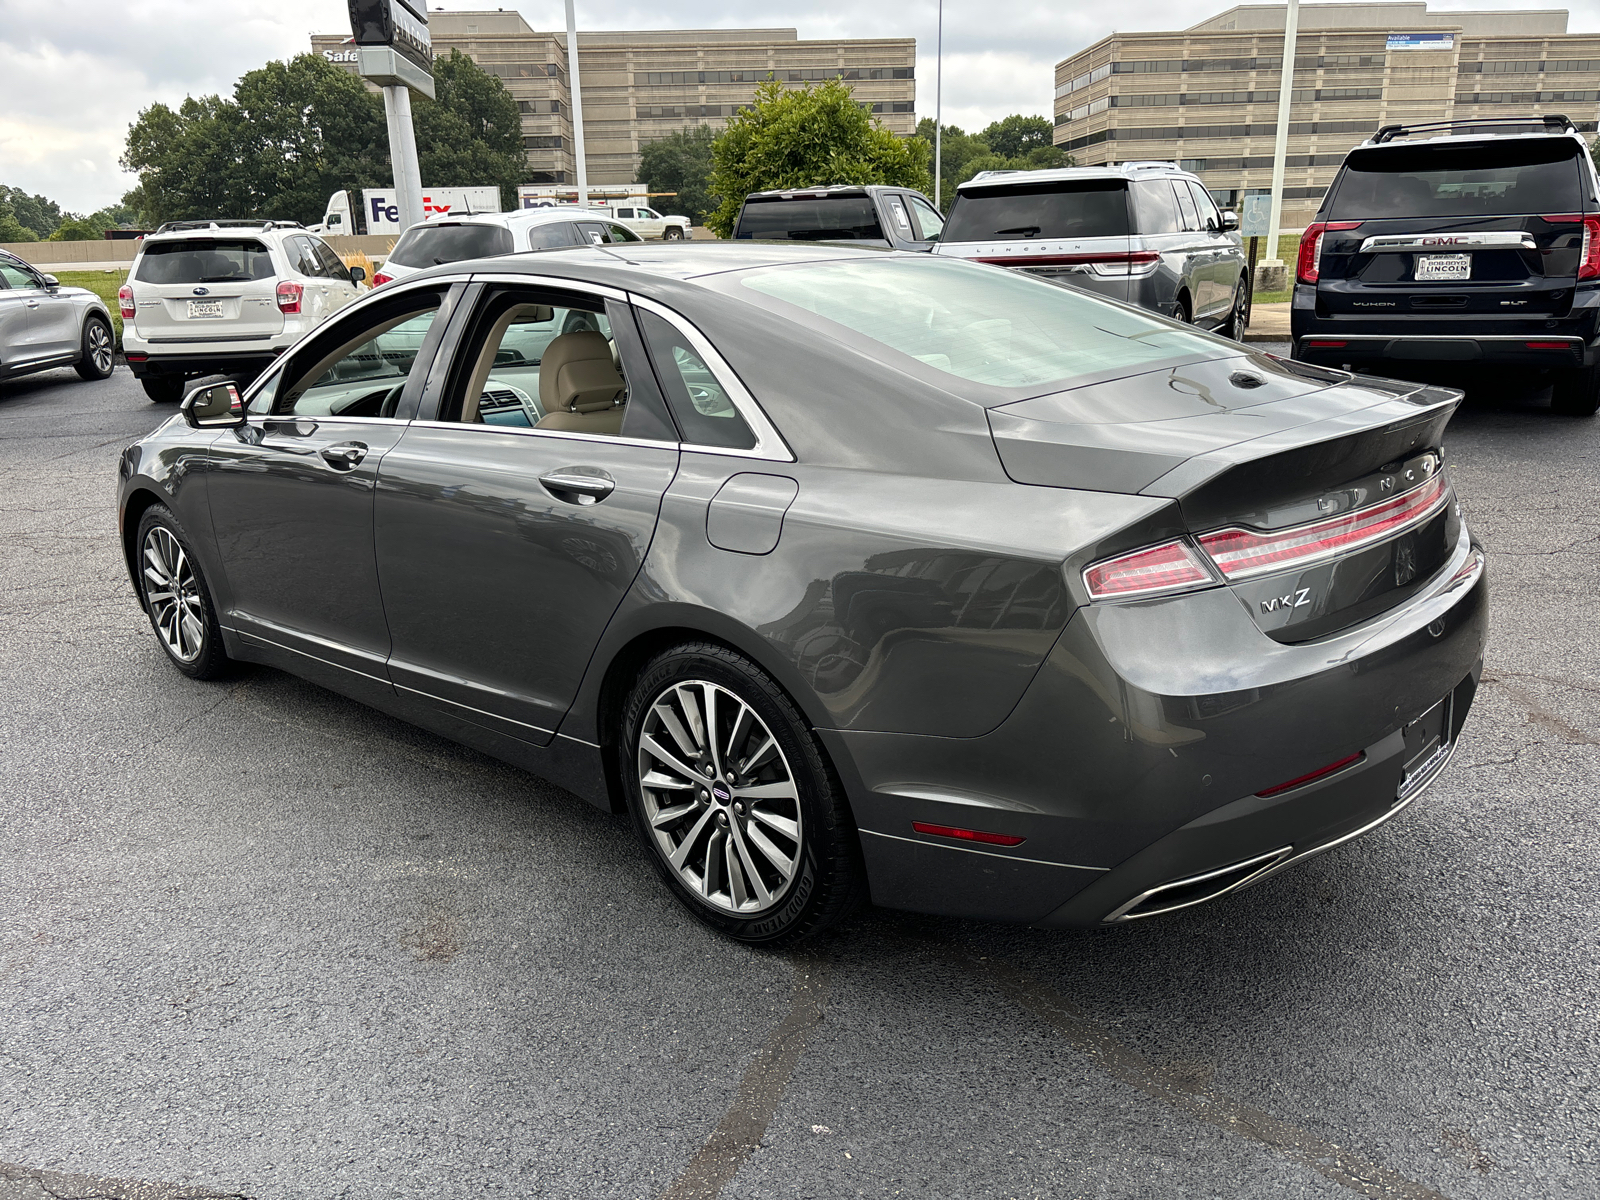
827 191
1460 139
526 216
229 228
1128 170
644 262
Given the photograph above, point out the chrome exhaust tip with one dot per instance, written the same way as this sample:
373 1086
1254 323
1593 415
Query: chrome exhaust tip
1198 889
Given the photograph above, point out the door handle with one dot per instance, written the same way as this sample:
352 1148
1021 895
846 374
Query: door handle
345 455
33 304
578 485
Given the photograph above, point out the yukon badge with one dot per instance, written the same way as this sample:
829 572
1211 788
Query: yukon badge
1297 599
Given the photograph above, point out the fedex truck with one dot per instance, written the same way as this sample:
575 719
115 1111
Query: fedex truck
380 209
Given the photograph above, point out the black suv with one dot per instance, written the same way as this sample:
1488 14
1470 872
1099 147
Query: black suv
1459 246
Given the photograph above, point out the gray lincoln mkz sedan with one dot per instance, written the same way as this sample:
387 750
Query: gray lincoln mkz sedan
843 571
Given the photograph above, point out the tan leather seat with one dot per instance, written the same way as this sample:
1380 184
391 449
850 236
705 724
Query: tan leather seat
580 388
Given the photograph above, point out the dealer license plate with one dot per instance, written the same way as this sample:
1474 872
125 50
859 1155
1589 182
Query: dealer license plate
1444 266
204 308
1427 742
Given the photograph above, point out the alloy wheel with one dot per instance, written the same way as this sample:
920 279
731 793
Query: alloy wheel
719 797
100 347
173 594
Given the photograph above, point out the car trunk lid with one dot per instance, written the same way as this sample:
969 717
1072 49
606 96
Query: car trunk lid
206 289
1281 471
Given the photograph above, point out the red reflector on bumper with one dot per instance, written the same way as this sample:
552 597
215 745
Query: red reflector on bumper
1548 345
136 357
1327 345
1314 775
967 835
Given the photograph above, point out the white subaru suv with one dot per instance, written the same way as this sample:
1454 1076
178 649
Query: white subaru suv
225 298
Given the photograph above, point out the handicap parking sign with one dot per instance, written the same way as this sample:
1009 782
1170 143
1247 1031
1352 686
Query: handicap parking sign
1257 215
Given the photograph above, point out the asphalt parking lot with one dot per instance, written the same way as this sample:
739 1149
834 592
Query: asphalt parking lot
259 941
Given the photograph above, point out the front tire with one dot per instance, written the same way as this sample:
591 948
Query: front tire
733 800
97 355
1576 393
672 234
163 389
176 597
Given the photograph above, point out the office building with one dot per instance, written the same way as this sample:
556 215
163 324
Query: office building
641 85
1207 96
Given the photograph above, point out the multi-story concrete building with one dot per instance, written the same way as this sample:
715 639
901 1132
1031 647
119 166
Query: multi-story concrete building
1207 96
638 86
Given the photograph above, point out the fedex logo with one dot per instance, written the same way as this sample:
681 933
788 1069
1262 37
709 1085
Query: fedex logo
383 210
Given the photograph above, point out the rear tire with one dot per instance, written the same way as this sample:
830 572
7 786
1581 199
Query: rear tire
97 356
176 598
766 849
1576 393
1234 326
163 389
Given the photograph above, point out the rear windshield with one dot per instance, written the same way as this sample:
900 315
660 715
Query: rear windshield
832 218
1080 209
433 245
1499 178
983 324
205 260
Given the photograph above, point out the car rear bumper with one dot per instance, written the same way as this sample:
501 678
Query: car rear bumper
1132 772
1556 350
145 364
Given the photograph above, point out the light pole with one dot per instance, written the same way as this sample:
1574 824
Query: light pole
938 109
1280 140
577 107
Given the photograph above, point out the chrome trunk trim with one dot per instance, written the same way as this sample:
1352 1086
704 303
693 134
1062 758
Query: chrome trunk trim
1497 239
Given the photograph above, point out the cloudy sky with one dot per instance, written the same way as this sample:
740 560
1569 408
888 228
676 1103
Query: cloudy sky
74 73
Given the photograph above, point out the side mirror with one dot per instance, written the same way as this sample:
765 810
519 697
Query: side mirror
213 406
1230 221
357 274
51 282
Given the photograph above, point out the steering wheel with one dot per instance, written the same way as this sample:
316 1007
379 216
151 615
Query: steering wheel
391 400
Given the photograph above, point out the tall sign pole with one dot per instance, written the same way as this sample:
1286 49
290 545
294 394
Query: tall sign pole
577 107
395 51
938 109
1280 140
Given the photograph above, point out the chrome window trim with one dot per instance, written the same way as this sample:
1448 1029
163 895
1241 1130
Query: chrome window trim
290 418
567 434
555 281
770 445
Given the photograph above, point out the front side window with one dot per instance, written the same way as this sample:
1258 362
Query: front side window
16 277
700 404
1019 212
554 236
1210 218
594 233
356 370
988 326
435 245
1186 205
205 260
303 257
621 233
931 222
332 266
900 217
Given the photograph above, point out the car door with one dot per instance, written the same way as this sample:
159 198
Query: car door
513 518
1195 252
929 223
649 223
47 327
291 492
1220 262
15 289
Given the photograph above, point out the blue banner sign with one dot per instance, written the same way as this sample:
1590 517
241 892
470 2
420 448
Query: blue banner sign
1421 41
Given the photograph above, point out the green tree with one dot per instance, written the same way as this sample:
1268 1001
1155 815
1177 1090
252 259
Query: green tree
295 132
470 135
805 138
11 229
681 163
1016 135
34 213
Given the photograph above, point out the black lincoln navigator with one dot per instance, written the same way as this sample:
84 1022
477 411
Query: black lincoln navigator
1458 246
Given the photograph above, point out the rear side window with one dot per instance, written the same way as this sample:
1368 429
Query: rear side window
1503 177
1156 205
701 407
810 219
433 245
1076 209
205 260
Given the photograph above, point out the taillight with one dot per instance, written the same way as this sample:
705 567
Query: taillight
289 293
379 279
1153 571
1245 553
1310 264
1589 255
125 301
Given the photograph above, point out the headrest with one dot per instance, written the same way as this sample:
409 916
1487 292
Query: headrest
576 374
